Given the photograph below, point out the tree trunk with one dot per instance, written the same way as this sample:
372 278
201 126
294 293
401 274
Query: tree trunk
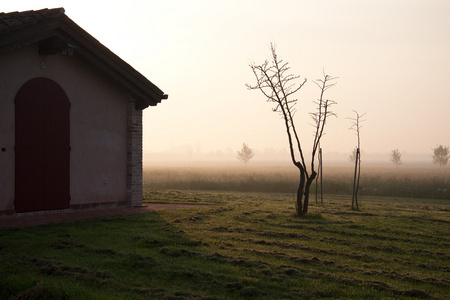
309 181
300 189
355 181
321 176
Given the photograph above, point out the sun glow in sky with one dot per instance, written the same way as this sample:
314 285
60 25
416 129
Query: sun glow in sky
392 59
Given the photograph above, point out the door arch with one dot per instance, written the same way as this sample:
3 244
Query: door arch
42 156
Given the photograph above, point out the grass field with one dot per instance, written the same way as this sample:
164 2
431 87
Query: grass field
240 246
415 181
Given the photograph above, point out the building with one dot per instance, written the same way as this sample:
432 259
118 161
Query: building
70 118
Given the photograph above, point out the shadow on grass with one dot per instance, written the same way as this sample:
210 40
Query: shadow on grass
116 257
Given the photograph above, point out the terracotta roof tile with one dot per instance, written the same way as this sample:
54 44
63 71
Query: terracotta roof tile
16 20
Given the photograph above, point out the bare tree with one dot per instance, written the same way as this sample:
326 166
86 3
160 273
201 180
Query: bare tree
245 154
356 126
441 155
278 85
396 157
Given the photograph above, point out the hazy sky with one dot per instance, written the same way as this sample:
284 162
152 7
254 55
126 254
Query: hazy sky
392 58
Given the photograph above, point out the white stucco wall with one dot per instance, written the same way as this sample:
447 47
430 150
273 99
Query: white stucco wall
98 125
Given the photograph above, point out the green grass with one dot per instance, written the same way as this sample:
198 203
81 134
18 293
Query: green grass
242 246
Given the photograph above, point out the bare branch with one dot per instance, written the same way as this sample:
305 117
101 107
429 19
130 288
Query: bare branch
356 126
323 111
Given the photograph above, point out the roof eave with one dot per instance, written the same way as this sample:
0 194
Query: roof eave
91 49
62 27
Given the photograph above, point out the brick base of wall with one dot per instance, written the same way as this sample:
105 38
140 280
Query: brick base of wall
134 154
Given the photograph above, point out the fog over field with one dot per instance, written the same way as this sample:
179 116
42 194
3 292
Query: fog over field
188 156
272 171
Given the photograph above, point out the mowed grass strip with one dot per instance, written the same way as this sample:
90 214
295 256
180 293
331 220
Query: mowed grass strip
371 245
244 246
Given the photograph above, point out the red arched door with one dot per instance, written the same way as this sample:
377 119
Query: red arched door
42 180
